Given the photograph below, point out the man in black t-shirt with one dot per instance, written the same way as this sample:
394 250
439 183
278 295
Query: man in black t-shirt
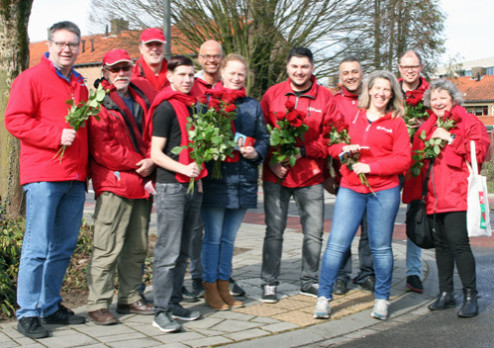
177 209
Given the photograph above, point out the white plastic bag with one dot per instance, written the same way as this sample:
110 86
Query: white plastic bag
478 219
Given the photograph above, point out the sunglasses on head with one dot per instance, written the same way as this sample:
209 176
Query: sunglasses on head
118 68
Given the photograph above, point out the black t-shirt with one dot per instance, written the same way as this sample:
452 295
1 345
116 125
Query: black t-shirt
165 125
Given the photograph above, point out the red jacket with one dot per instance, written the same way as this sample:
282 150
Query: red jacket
114 152
200 87
308 170
388 154
347 103
36 115
449 174
142 71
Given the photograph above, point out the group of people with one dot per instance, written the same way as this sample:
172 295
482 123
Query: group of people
129 155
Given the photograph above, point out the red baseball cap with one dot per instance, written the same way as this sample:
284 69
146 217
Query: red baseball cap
116 56
152 34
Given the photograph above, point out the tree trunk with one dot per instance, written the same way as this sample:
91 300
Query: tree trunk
14 58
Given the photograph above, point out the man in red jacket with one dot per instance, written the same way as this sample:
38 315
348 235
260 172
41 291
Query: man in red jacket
351 76
152 64
410 66
54 186
120 166
302 181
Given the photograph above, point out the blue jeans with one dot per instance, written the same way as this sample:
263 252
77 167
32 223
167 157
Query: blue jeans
178 212
53 219
350 208
413 258
220 229
310 204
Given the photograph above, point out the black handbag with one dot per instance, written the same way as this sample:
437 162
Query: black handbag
419 229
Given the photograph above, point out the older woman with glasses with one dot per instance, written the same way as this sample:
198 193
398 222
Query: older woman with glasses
379 135
447 191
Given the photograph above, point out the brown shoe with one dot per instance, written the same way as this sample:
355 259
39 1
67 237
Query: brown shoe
212 297
225 295
102 317
138 307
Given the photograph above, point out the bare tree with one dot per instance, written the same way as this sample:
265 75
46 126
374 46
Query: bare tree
14 58
261 30
390 27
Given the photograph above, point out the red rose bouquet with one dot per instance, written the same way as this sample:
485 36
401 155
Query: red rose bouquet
414 110
432 147
289 129
337 132
212 129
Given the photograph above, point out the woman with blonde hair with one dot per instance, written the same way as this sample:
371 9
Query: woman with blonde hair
379 136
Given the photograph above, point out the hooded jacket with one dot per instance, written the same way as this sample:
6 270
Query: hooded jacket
36 115
448 182
116 147
308 170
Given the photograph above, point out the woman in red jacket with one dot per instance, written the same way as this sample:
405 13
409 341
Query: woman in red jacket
447 191
379 135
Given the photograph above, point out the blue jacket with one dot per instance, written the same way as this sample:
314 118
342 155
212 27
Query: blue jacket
237 187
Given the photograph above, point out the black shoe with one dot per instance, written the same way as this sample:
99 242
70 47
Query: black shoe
188 296
198 287
312 290
31 327
64 316
368 284
470 307
443 301
269 294
235 289
340 287
415 284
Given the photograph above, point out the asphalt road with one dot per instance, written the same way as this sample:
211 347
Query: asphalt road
444 328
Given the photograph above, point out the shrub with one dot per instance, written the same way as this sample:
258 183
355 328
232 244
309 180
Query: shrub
11 233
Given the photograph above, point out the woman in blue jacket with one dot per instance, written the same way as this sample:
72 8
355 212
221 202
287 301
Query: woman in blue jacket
227 199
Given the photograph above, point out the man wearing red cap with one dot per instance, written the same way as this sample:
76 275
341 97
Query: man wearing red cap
152 64
120 167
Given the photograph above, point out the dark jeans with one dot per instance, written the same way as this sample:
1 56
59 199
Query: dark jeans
364 255
453 247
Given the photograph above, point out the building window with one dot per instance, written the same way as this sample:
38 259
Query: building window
482 110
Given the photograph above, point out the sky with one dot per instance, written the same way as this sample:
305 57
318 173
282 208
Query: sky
468 28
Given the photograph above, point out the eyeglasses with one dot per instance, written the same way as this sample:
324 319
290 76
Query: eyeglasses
61 45
410 67
118 68
211 57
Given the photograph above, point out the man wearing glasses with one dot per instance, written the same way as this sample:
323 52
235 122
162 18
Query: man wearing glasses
54 187
410 66
120 166
152 64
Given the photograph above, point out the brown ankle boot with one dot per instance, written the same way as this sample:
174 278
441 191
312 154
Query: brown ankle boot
226 296
212 297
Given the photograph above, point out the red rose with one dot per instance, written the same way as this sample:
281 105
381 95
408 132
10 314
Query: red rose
230 108
202 100
278 115
214 103
290 105
291 116
296 122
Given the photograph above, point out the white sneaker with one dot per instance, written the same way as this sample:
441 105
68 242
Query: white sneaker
322 309
380 310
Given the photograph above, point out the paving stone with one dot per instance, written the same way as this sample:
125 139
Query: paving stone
280 326
262 310
121 337
209 332
172 345
105 330
135 343
178 337
205 323
235 325
97 345
209 341
65 339
233 314
247 334
265 320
